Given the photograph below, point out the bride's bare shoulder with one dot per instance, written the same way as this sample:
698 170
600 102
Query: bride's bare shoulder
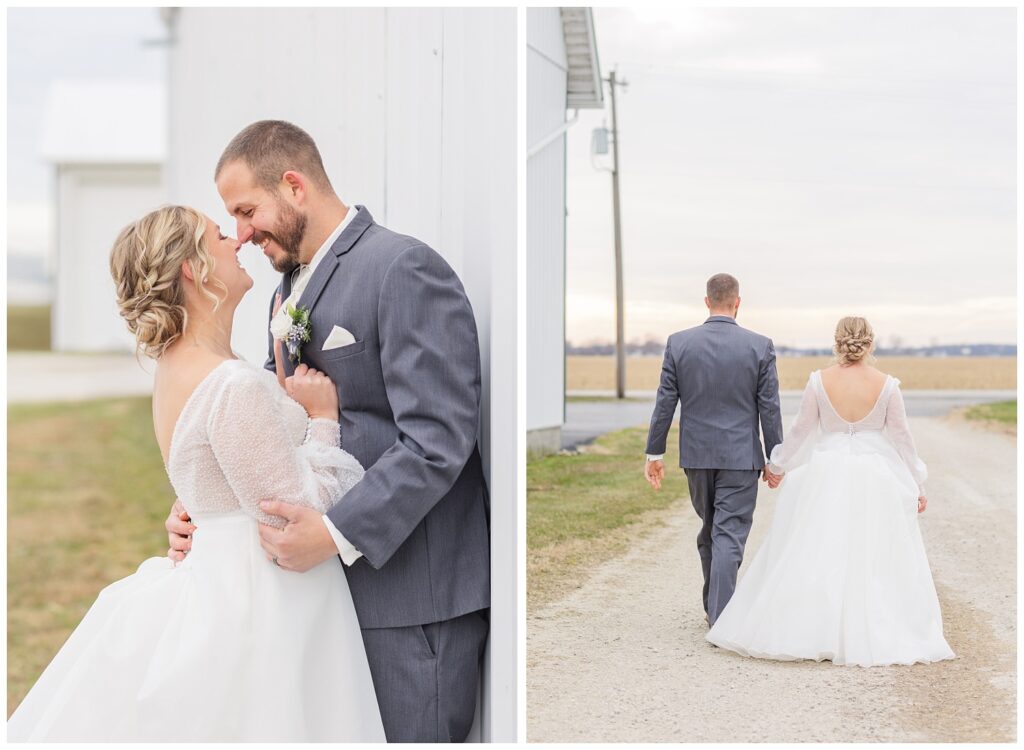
183 372
829 373
876 374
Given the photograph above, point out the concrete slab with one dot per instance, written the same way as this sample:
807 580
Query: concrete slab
36 377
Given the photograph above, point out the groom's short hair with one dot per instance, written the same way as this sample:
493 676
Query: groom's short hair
272 147
723 289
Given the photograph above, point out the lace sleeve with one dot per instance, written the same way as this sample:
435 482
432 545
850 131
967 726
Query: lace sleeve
784 455
898 429
259 460
335 470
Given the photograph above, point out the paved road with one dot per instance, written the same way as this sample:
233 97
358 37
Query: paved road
586 420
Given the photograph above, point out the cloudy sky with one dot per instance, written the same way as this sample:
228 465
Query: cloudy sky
47 44
837 161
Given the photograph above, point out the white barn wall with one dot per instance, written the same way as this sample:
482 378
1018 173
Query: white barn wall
414 113
221 79
547 71
95 201
415 120
478 230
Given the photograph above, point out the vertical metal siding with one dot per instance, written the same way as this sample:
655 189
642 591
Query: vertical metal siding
545 221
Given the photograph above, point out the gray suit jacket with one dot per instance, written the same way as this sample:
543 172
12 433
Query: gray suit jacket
409 389
724 376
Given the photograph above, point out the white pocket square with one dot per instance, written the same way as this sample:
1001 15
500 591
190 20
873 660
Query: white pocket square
339 337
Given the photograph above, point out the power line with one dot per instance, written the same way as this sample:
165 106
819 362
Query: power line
775 80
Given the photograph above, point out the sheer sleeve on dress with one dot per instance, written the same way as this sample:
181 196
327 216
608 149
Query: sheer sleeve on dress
260 461
784 456
898 429
335 470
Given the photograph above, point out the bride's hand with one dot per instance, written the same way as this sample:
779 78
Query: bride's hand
315 391
773 480
922 503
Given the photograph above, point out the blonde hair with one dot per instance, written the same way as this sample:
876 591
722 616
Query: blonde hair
855 340
145 263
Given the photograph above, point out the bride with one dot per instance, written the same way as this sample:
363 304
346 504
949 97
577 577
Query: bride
224 646
842 575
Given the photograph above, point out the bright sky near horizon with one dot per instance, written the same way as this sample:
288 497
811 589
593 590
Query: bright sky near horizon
837 161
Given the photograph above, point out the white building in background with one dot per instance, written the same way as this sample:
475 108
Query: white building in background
106 142
414 111
562 73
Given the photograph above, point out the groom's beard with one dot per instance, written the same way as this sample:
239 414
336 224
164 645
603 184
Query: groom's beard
288 235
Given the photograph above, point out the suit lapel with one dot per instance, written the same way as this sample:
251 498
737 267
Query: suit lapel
318 281
329 264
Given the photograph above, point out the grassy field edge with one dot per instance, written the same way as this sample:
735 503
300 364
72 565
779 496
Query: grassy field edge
584 508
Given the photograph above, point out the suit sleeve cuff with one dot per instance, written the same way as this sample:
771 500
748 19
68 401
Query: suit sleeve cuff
652 457
349 554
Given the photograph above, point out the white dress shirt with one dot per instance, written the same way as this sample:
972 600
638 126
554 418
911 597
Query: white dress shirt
300 278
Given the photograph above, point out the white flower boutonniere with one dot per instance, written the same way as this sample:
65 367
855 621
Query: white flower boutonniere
297 333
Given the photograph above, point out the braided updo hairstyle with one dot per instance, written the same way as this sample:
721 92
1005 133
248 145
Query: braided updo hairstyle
145 263
855 340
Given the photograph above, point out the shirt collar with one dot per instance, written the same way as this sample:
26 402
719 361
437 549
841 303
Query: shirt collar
331 238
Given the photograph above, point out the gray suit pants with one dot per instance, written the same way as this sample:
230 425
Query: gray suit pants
724 499
427 677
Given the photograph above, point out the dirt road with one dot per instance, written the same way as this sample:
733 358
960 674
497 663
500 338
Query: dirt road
624 657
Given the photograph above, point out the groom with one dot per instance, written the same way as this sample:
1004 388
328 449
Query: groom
392 327
724 376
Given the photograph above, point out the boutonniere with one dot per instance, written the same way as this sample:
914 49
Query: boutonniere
298 332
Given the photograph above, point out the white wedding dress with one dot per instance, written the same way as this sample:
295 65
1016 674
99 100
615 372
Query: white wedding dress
842 574
225 646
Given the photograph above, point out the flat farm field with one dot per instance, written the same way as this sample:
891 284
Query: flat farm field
916 373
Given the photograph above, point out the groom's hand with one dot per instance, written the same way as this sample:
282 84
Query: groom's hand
179 532
303 543
654 472
773 480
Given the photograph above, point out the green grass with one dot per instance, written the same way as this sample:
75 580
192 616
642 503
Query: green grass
87 499
580 508
28 328
1003 412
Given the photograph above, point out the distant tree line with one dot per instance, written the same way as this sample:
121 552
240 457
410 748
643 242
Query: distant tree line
655 348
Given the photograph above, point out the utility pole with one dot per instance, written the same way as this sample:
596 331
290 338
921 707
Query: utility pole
620 344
